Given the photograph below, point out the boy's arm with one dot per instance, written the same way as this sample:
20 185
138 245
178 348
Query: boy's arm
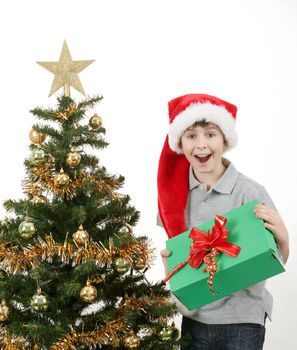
274 222
164 254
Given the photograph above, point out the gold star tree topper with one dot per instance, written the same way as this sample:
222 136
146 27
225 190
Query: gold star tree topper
66 72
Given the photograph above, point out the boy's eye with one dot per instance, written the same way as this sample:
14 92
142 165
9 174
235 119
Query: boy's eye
191 136
210 134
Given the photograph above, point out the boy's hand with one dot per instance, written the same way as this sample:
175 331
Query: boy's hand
274 222
164 254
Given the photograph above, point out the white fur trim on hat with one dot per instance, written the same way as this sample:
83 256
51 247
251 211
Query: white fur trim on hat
202 111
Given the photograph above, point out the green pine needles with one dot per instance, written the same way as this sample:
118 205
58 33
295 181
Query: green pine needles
72 272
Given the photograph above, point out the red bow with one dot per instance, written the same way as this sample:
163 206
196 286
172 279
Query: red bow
203 242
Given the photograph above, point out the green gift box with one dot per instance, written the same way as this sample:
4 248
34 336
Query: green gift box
257 260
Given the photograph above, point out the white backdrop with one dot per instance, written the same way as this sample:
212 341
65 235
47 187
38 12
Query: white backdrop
148 52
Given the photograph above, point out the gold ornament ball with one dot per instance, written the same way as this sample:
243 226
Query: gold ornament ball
73 158
4 311
36 136
61 179
95 122
131 341
166 333
39 199
139 263
121 265
88 293
37 156
39 301
81 236
113 341
27 228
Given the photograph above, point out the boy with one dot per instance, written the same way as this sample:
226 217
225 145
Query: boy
195 183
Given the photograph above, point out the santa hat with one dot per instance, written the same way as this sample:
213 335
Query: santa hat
173 172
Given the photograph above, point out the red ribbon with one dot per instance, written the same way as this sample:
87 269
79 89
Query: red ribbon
204 242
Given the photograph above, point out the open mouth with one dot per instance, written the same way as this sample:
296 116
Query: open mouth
203 158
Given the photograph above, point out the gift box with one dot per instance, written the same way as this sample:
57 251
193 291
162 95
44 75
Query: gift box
257 260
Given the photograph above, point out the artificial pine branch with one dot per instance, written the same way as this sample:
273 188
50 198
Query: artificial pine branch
82 241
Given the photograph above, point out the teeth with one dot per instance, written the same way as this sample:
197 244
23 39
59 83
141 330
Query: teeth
202 155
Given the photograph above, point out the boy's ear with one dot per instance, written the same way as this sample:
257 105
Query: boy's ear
225 144
180 145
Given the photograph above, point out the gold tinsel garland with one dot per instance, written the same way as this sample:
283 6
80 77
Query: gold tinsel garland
9 342
64 114
111 334
31 189
113 331
104 184
18 260
44 173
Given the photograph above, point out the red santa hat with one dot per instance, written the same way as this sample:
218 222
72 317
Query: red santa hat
173 172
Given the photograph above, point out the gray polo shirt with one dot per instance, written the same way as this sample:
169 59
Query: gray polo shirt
231 191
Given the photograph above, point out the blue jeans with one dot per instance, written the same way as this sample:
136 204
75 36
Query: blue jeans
237 336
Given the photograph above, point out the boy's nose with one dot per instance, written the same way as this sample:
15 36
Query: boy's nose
201 143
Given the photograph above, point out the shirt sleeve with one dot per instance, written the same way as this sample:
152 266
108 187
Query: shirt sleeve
159 222
259 192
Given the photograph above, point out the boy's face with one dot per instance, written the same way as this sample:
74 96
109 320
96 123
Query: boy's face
204 146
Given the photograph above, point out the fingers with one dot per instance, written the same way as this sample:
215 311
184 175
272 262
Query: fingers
262 211
264 216
269 216
165 253
262 206
270 227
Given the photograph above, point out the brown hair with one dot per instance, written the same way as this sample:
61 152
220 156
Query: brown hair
203 123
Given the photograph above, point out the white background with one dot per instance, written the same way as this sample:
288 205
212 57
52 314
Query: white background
148 52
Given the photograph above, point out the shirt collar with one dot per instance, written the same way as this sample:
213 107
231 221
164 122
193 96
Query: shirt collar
225 184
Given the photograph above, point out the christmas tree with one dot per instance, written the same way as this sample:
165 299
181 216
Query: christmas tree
72 272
